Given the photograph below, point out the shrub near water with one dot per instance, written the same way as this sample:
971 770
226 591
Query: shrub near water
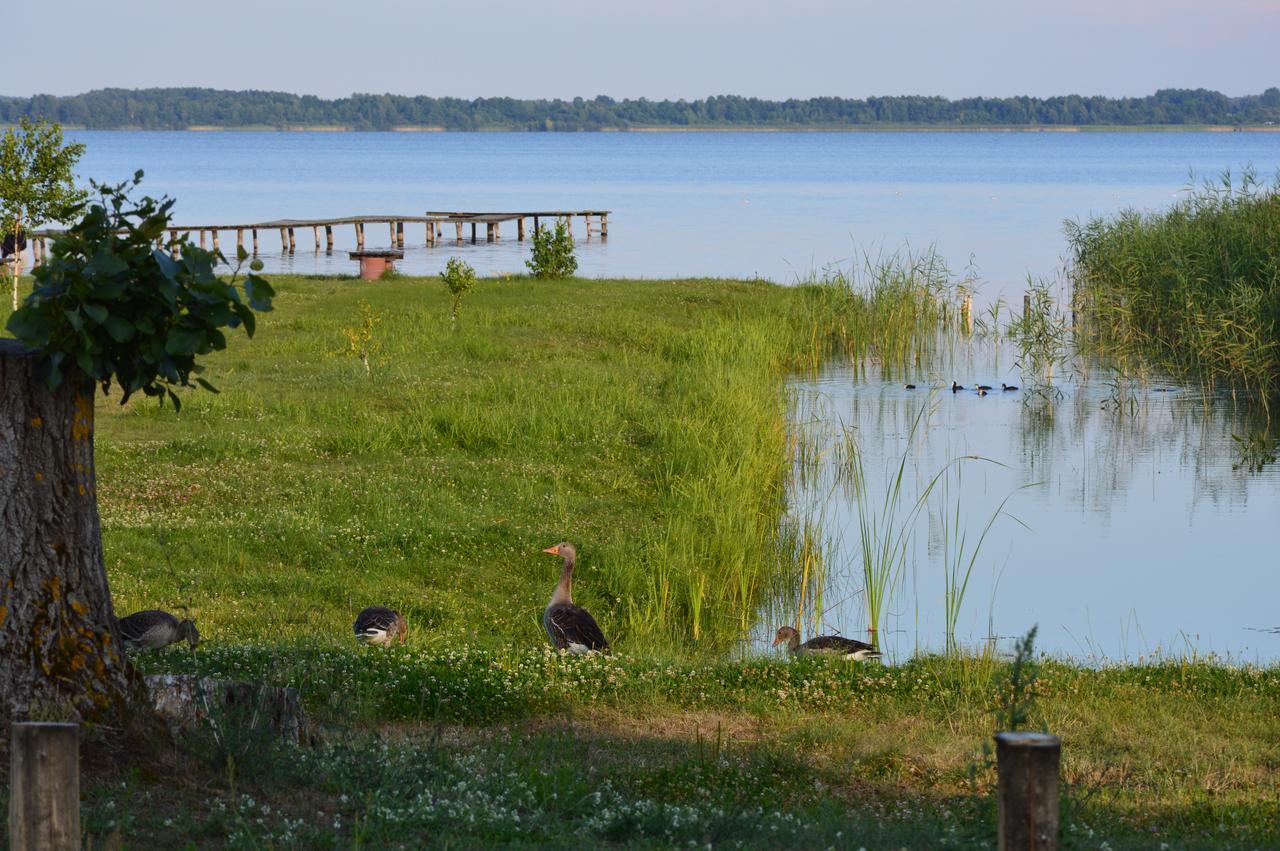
1195 290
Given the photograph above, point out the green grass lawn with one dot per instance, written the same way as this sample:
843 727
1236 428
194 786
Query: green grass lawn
645 421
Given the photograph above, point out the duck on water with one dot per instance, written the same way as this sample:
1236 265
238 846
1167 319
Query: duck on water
825 645
570 627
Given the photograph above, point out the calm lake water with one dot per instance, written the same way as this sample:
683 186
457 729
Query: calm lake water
774 205
1136 531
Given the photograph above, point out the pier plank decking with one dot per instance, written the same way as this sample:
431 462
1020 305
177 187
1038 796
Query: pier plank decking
433 223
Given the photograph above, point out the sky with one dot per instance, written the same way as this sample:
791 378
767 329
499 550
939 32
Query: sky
657 49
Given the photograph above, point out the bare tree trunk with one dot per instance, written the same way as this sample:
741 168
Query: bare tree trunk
59 653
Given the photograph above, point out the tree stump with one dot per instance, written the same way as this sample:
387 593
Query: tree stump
186 701
44 787
1027 802
59 654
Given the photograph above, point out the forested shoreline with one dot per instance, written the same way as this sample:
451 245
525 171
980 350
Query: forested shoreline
186 108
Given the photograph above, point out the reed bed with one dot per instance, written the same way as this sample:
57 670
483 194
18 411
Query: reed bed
1193 291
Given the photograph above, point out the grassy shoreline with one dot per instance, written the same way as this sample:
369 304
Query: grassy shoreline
647 421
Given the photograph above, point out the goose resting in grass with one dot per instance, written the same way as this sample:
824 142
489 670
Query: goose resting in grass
825 645
153 629
380 626
568 626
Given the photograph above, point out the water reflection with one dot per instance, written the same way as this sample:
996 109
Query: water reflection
1139 518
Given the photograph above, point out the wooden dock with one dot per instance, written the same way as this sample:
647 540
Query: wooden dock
434 224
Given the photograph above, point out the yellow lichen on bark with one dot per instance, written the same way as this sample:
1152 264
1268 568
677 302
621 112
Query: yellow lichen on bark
39 477
36 422
82 423
4 614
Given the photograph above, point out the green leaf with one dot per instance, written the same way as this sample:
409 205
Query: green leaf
182 341
96 312
206 385
120 329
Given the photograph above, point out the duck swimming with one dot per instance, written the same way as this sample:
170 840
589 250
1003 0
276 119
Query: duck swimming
1007 387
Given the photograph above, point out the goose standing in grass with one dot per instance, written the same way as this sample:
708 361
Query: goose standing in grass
825 645
568 626
380 626
153 629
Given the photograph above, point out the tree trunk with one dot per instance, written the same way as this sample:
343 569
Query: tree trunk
59 653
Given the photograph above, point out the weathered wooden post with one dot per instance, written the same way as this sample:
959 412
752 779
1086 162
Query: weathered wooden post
44 787
568 224
173 244
239 239
520 229
1027 797
202 239
215 239
488 231
255 242
359 236
458 227
431 233
328 238
586 217
391 226
1026 306
315 235
966 313
399 235
284 241
473 233
293 242
604 226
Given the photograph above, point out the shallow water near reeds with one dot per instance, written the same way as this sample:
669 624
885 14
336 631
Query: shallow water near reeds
1134 525
773 205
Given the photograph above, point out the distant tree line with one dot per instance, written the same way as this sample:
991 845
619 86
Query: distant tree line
177 109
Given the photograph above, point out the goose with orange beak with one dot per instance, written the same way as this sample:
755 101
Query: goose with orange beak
570 627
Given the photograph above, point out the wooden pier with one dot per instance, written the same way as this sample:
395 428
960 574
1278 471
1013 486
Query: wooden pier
434 224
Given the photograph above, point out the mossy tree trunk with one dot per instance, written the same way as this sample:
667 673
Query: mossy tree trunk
59 653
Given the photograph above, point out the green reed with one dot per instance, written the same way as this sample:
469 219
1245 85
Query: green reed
1193 291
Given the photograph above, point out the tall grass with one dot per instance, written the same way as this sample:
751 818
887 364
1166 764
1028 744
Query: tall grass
1195 290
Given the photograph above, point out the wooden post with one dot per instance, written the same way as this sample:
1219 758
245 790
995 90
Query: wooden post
44 787
966 313
315 234
604 226
293 243
284 241
173 244
255 242
399 234
458 225
473 233
239 240
520 229
202 239
1027 797
1026 306
360 236
586 217
431 233
568 224
488 231
328 238
36 252
215 239
391 226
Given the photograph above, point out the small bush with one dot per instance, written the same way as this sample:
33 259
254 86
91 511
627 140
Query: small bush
552 253
459 278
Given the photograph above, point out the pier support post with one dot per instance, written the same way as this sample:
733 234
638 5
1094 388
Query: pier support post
44 786
173 244
315 235
239 239
399 235
1026 306
586 217
202 245
215 239
458 227
359 236
536 226
488 232
473 233
293 243
966 313
604 226
328 238
520 229
255 242
431 233
1027 802
37 252
284 241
